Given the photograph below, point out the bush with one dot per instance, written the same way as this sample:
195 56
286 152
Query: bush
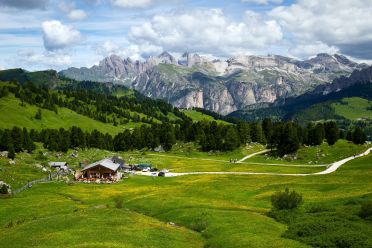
329 230
286 200
5 188
366 210
118 202
200 223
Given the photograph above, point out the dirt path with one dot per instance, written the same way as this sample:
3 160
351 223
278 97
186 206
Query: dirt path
332 168
252 155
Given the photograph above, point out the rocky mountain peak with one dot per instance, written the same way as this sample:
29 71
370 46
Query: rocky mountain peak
163 58
219 85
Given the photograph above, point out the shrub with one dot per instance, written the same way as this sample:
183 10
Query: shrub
4 188
118 202
200 223
366 210
286 200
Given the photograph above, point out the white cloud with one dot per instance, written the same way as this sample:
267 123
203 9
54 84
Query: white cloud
58 36
346 24
77 14
71 12
132 3
133 51
263 2
207 31
46 59
307 50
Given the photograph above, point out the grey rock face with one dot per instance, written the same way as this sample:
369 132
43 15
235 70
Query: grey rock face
220 86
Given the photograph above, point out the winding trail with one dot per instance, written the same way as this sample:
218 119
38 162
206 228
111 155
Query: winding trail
331 168
252 155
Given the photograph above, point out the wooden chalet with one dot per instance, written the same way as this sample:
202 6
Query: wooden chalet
106 169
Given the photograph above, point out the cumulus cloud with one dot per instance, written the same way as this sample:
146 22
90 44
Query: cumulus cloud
307 50
263 2
207 31
25 4
46 59
345 25
133 51
132 3
71 12
58 36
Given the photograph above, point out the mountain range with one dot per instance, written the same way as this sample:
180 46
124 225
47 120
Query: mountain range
222 86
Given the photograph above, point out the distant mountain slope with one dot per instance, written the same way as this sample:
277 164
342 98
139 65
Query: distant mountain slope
217 85
49 77
24 116
358 84
353 109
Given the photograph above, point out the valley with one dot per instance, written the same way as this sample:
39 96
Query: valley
185 124
189 211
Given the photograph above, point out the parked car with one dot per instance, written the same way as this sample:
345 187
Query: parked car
154 169
164 170
161 174
145 169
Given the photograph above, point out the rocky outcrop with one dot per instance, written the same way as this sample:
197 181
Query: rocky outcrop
217 85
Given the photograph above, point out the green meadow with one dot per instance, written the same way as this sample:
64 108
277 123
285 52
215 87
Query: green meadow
353 108
198 116
16 115
188 211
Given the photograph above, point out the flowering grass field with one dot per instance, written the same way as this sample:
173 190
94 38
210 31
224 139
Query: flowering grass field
189 211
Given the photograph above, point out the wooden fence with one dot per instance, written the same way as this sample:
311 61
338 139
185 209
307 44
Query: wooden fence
46 179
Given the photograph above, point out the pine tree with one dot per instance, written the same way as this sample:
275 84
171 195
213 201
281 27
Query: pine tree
316 135
289 142
17 137
232 139
331 132
359 137
11 151
38 115
244 132
168 137
257 134
267 127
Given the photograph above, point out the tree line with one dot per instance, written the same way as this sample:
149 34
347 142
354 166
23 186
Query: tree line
281 137
98 105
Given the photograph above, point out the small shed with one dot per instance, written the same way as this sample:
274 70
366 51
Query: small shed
59 165
143 166
118 160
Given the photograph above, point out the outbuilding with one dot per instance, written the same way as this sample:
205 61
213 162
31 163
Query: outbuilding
59 165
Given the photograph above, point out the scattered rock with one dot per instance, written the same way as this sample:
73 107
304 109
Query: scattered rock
4 154
5 188
12 161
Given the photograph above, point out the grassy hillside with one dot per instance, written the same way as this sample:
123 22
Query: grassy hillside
198 116
208 211
17 115
49 77
353 108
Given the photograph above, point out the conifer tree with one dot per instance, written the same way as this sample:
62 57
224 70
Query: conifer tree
17 137
267 127
232 139
331 132
11 151
289 142
38 115
359 137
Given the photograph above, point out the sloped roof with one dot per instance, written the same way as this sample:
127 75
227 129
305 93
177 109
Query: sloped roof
107 163
57 164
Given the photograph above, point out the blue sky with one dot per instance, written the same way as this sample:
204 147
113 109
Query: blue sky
43 34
